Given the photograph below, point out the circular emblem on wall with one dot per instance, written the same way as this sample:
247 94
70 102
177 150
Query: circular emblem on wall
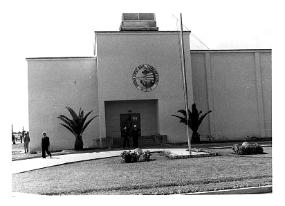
145 77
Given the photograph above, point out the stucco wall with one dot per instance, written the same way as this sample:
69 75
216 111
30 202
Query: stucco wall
236 86
53 84
119 53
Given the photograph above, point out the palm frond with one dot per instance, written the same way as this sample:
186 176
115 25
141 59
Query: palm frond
73 114
182 119
66 120
203 116
85 117
87 123
69 128
80 113
183 111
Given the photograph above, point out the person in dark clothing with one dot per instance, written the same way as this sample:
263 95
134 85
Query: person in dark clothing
26 142
135 135
13 139
125 135
45 145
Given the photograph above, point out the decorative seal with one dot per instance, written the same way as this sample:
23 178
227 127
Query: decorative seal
145 77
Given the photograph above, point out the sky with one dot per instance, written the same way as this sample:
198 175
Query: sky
66 28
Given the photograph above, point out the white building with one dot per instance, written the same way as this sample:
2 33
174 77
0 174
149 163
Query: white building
234 84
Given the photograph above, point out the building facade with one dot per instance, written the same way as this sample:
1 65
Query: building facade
136 73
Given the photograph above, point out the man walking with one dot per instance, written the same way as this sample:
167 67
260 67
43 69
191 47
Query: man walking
26 142
45 145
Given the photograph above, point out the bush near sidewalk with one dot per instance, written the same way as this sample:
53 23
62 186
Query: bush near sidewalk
247 149
135 156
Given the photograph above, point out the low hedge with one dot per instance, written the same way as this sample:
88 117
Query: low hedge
135 156
247 149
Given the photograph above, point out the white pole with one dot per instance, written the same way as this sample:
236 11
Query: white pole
184 83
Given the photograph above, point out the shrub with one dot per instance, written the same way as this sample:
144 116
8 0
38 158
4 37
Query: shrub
146 155
247 149
129 156
139 151
126 156
135 156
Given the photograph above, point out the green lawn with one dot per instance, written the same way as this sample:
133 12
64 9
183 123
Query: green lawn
160 176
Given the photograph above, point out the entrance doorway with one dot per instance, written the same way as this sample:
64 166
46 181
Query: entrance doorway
142 112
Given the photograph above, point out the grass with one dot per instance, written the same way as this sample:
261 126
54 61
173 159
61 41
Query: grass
161 176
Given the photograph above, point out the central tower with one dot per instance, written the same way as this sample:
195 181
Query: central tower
139 72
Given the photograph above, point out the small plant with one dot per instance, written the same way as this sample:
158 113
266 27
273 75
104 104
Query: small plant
146 156
76 125
139 151
126 156
194 121
129 156
135 156
247 149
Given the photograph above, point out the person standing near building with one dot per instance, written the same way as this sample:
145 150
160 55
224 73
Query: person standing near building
13 139
21 137
135 135
45 145
125 136
26 142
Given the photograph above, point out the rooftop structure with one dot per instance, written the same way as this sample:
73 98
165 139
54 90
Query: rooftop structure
138 22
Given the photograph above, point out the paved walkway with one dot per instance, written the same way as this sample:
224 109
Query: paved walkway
38 163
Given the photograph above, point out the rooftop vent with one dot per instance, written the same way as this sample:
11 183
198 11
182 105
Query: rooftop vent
138 22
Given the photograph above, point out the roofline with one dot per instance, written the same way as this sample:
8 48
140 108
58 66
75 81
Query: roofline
131 32
61 58
192 51
232 50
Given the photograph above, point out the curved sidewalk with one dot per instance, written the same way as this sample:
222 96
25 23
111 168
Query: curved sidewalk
38 163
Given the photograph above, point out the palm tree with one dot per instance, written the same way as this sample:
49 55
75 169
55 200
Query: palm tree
194 121
76 125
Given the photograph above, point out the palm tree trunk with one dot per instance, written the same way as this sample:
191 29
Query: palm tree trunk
195 137
78 145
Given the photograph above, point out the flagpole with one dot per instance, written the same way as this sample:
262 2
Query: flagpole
184 83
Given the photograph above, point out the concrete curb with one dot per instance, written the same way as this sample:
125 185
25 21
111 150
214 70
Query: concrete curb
244 190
